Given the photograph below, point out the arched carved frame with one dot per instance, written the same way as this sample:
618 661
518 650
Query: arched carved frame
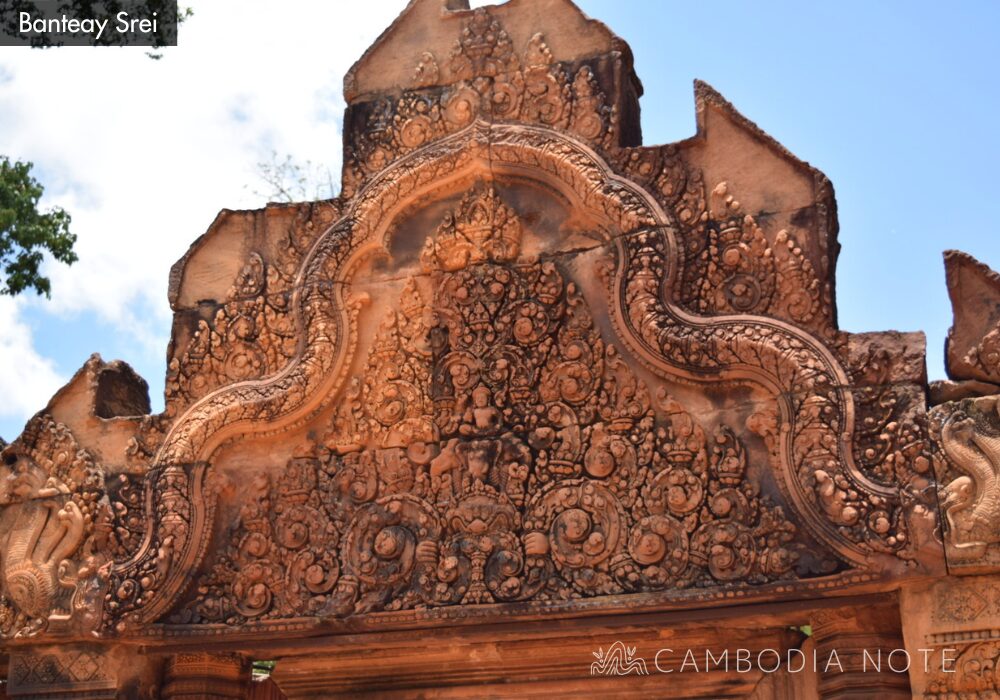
674 344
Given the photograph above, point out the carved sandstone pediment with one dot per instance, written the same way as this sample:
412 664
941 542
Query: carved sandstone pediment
508 424
522 367
494 448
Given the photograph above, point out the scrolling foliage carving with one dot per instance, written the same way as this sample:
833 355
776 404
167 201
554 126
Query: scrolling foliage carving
861 454
496 449
501 442
489 79
727 265
812 441
170 510
434 496
252 334
986 355
973 674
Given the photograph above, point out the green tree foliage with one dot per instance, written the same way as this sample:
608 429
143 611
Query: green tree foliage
27 233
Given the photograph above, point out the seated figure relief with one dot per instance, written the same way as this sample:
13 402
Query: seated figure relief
497 449
524 369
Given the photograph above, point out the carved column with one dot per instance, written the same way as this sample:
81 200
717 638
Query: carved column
202 676
857 650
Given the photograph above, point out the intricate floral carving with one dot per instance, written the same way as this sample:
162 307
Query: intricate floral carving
488 79
70 671
986 355
972 676
820 460
286 561
808 428
427 72
252 335
483 50
730 265
891 440
499 450
972 599
523 432
176 506
482 229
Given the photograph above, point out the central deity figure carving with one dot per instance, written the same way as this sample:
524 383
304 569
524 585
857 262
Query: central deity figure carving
495 448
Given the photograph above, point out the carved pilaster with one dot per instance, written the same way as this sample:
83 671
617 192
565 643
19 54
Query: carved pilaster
853 648
202 676
953 626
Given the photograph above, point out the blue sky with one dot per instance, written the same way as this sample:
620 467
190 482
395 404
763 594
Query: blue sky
896 102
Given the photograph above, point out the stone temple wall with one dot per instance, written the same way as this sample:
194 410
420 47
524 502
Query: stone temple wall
530 408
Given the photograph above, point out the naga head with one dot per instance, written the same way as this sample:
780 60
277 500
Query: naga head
959 493
987 404
22 478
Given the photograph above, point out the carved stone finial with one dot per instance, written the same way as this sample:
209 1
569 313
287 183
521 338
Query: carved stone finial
481 229
483 49
973 345
427 72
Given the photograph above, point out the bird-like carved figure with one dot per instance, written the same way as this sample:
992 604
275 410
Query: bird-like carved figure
972 501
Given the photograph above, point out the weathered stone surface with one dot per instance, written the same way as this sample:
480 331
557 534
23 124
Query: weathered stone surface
203 675
80 671
945 390
855 641
507 665
973 346
443 27
968 469
525 391
951 627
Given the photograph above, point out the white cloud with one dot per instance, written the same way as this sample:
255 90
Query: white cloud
28 378
144 153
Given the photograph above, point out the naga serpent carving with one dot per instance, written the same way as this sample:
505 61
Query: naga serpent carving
972 501
46 528
810 434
